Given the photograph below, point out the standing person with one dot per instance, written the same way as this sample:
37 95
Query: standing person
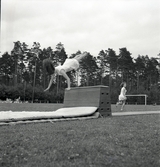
69 65
122 97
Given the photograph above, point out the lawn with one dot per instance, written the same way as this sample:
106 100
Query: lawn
128 141
30 106
55 106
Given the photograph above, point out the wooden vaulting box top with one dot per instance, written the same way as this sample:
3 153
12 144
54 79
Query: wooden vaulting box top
90 87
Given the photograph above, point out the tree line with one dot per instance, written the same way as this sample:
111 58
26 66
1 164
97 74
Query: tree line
22 75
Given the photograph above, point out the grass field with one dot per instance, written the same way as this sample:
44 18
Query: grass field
55 106
30 106
129 141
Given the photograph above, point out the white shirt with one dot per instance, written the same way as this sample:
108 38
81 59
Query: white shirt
123 91
69 65
122 95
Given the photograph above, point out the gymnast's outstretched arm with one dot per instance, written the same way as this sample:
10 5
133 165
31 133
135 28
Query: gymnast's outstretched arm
50 82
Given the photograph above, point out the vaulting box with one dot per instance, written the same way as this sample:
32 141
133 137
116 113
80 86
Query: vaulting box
90 96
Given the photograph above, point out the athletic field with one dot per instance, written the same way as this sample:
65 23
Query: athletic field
111 141
55 106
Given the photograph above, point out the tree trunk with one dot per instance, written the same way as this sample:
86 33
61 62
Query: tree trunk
34 81
57 84
15 74
137 82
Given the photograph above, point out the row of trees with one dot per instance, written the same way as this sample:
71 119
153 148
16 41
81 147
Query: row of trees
21 73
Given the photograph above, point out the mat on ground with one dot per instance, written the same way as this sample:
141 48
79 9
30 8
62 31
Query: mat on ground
71 112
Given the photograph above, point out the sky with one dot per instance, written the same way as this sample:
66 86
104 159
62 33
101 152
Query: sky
85 25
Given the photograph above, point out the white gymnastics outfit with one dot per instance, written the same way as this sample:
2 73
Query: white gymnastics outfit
122 95
69 65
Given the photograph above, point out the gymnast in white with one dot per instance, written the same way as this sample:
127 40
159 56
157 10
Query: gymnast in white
69 65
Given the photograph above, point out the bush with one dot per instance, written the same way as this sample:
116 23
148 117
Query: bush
154 95
3 92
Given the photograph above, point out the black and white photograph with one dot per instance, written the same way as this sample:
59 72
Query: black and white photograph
80 83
